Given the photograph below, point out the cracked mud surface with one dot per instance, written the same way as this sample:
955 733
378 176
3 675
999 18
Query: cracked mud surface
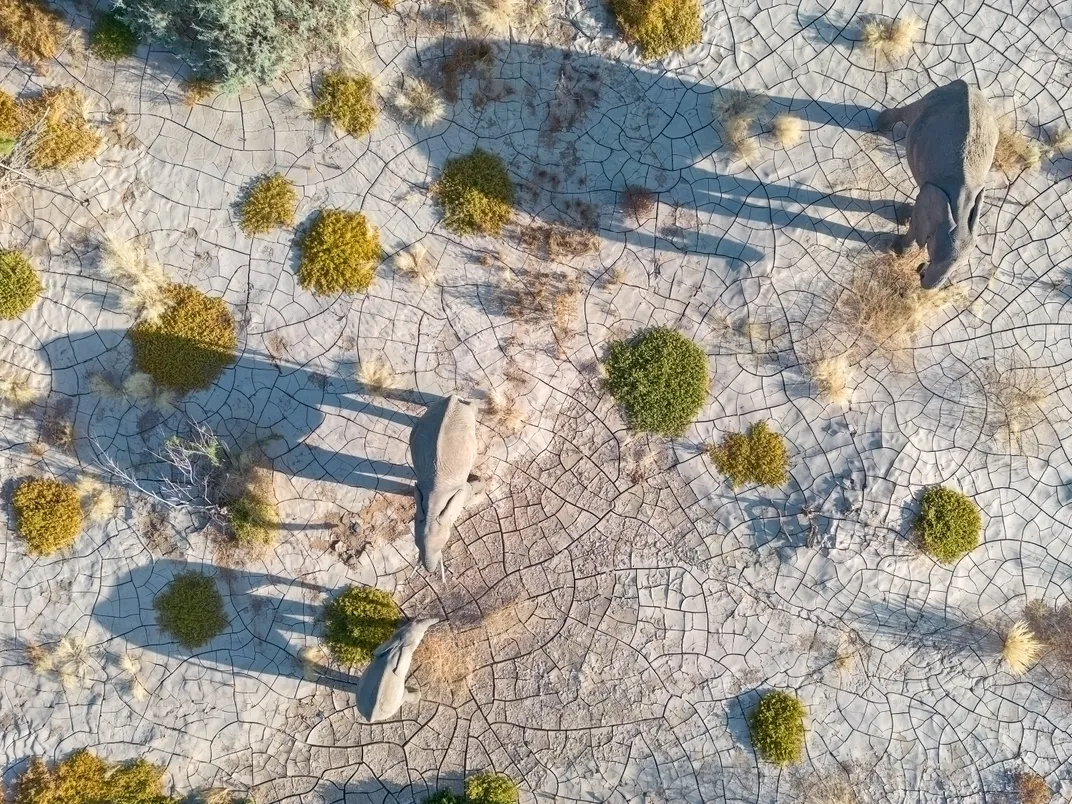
633 605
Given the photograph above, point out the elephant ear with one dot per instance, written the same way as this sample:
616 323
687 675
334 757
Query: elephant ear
973 217
454 506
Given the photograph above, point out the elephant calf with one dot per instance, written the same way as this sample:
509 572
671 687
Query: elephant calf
952 133
443 448
382 690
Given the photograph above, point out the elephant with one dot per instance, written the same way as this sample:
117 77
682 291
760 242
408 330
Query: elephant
443 448
952 134
382 690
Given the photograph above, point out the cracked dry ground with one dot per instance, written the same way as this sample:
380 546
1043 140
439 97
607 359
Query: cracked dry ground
619 606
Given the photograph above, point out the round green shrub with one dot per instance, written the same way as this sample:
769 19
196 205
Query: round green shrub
338 253
658 27
348 102
85 778
777 728
270 202
190 345
357 622
476 194
19 285
191 609
254 520
948 524
659 377
759 457
444 797
112 39
490 788
48 514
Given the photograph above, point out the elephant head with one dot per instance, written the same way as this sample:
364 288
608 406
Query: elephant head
948 233
436 515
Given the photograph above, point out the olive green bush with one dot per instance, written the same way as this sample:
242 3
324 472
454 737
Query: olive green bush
659 377
191 609
190 344
84 778
759 457
476 194
254 519
112 39
357 622
48 514
444 797
270 202
347 102
490 788
19 285
948 524
339 253
238 42
658 27
777 728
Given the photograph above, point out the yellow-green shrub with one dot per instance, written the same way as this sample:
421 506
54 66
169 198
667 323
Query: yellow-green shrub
191 609
48 514
84 778
191 343
658 27
30 28
254 519
64 136
348 102
948 524
19 285
339 253
490 788
758 457
777 728
476 193
357 622
270 202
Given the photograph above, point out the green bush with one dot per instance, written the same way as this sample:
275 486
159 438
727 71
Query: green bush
191 609
48 514
112 39
444 797
659 377
190 345
339 253
759 457
238 42
254 520
84 778
777 728
357 622
490 788
270 202
347 102
19 285
476 194
658 27
948 524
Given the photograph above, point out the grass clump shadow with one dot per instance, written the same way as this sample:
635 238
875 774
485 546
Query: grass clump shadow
476 193
347 102
948 524
112 39
660 378
759 457
270 201
32 29
190 344
85 778
48 514
338 253
191 609
357 622
658 27
19 284
776 726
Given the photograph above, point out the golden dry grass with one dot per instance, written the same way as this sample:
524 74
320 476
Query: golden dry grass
1032 788
420 103
19 389
884 304
494 16
31 29
375 375
130 666
832 376
67 660
443 661
414 263
502 412
1022 648
142 283
787 130
1015 152
890 39
98 500
736 112
1016 395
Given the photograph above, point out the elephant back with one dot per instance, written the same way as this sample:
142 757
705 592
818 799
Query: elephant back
443 443
951 143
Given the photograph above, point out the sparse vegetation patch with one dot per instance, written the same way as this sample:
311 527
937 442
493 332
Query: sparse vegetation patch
777 728
476 194
48 514
254 519
759 457
658 27
270 202
357 622
659 377
948 524
191 609
339 253
19 284
890 39
112 39
84 778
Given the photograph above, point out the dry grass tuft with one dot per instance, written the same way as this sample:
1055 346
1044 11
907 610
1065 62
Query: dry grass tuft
443 661
419 103
557 241
68 660
1057 142
639 202
494 16
98 501
736 111
1017 395
30 28
831 376
1015 152
131 668
885 305
313 659
502 413
141 281
375 375
19 389
413 262
1032 788
1053 627
1022 648
890 39
787 130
